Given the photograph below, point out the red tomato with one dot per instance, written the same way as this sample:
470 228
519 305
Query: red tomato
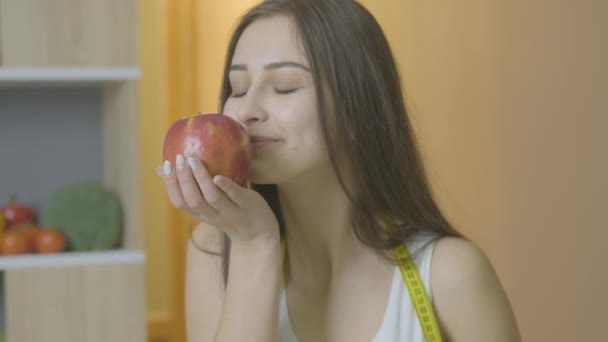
13 243
49 241
28 230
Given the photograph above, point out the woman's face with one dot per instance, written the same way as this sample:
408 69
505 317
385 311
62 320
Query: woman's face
273 96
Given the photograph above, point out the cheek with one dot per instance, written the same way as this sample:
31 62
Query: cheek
306 134
304 123
301 111
299 117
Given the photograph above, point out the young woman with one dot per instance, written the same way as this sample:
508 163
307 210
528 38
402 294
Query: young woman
337 178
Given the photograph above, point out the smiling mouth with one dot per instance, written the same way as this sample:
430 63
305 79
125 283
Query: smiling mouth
259 142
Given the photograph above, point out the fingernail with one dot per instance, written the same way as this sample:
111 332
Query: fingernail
193 163
180 162
219 181
167 168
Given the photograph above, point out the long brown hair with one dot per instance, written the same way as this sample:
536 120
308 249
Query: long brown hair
354 70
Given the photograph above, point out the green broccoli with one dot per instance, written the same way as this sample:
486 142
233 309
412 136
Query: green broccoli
89 216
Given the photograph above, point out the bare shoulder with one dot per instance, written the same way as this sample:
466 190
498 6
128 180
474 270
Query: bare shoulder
469 300
458 262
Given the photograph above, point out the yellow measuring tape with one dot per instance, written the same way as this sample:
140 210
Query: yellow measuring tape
415 286
420 299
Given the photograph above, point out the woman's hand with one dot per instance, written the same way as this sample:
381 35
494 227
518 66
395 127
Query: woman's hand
241 213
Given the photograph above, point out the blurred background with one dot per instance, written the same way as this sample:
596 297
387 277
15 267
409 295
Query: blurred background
508 98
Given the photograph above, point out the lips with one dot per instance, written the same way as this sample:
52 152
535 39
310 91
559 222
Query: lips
259 139
260 142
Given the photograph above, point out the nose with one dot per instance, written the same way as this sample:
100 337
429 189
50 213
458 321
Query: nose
250 112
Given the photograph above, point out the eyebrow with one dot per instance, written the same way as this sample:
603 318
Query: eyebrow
271 66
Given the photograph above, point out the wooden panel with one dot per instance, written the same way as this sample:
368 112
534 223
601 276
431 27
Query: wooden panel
92 303
121 156
67 32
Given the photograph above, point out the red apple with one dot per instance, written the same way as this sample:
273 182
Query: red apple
217 140
17 214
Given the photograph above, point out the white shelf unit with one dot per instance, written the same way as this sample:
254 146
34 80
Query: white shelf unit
67 259
13 76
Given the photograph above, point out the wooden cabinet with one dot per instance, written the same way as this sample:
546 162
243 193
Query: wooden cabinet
68 33
68 112
92 297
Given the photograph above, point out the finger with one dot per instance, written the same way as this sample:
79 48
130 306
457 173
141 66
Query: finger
214 196
235 192
190 189
159 171
172 186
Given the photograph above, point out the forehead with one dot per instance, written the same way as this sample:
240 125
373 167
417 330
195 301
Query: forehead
269 40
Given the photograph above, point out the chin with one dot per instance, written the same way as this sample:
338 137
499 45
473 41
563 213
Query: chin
264 178
263 173
267 173
280 169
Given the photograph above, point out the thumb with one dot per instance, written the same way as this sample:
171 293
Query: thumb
234 191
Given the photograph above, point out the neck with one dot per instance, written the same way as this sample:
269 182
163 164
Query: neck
319 236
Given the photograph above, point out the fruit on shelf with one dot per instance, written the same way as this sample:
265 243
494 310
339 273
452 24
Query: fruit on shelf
2 222
13 243
89 216
32 238
29 231
16 214
49 241
217 140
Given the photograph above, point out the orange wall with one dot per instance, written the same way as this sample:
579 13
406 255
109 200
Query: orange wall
216 20
509 99
152 125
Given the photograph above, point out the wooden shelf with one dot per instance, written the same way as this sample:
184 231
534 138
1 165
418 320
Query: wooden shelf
114 257
68 76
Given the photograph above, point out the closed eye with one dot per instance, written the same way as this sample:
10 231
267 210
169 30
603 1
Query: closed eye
284 92
278 91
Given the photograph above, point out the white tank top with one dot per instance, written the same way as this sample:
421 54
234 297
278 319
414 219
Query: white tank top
400 322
